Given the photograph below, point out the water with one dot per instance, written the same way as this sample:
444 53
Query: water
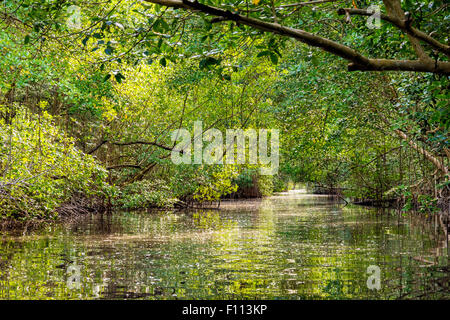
290 246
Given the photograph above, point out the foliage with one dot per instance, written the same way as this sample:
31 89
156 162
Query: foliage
112 81
265 185
281 184
217 184
41 167
145 194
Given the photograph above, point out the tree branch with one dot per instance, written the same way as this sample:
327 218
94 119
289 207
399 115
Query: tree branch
430 157
358 61
402 25
102 142
403 65
143 142
120 166
302 4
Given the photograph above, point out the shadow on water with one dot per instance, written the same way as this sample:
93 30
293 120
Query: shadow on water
289 246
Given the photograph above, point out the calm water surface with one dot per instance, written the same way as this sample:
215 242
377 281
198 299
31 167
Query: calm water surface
290 246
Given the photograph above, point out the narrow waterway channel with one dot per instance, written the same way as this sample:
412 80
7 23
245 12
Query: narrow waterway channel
289 246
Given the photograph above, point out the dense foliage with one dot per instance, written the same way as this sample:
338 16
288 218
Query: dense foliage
42 168
89 96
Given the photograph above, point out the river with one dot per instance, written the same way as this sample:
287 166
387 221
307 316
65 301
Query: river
289 246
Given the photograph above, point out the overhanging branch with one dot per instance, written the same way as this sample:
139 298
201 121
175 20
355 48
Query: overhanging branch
357 61
102 142
402 25
121 166
144 143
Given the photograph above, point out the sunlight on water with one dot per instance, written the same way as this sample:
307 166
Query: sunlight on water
289 246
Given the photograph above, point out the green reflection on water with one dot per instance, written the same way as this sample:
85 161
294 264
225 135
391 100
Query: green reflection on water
293 246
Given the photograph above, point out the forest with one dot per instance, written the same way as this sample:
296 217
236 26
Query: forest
90 92
224 150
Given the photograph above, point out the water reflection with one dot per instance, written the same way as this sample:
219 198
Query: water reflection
291 246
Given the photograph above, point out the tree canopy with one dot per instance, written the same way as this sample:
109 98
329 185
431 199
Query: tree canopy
111 80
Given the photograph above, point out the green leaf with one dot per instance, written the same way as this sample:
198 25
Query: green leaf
263 53
85 40
273 58
207 62
119 77
208 25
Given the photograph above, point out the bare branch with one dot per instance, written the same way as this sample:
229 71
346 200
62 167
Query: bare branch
143 142
302 4
102 142
129 144
120 166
